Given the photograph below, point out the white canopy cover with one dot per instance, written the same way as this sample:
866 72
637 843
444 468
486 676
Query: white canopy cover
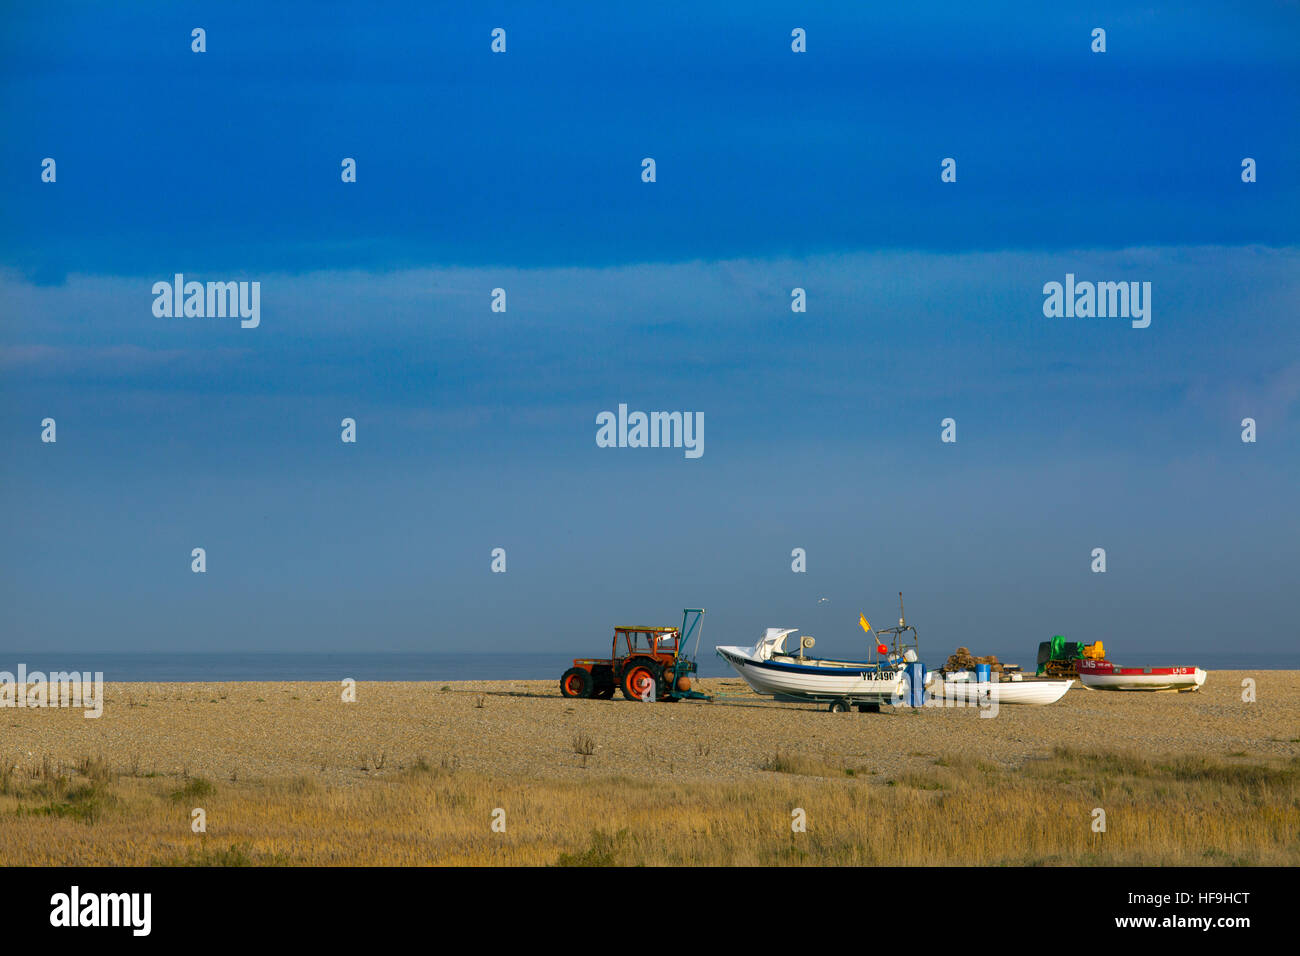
772 642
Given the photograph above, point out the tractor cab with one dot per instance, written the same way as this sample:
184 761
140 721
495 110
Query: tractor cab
659 642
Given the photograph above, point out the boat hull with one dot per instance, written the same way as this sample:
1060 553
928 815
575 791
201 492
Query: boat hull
827 680
1033 692
1102 675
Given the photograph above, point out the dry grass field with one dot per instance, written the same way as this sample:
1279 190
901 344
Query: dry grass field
414 774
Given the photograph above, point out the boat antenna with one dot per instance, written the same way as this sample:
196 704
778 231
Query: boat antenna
902 622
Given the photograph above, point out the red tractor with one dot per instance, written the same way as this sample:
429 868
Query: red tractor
645 663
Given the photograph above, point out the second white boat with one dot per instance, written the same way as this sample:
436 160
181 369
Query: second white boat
962 686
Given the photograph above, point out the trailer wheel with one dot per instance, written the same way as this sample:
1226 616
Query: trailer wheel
576 683
840 706
868 708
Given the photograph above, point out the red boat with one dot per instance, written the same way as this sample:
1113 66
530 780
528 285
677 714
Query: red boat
1103 675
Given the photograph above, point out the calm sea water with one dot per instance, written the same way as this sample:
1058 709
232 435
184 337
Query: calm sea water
158 667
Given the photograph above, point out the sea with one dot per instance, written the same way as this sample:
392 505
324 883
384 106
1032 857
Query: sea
158 667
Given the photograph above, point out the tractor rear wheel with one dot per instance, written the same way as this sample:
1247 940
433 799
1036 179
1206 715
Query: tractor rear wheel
576 683
641 681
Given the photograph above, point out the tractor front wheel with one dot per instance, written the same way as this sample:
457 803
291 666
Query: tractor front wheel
576 683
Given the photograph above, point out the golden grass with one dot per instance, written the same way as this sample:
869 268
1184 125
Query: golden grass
959 810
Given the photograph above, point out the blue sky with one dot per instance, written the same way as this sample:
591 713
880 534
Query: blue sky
775 170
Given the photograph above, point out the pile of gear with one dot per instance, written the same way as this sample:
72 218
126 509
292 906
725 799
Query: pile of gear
963 660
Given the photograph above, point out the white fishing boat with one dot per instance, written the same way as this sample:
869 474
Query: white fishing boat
1103 675
770 669
963 685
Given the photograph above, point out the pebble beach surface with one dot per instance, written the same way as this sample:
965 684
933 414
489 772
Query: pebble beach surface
249 731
